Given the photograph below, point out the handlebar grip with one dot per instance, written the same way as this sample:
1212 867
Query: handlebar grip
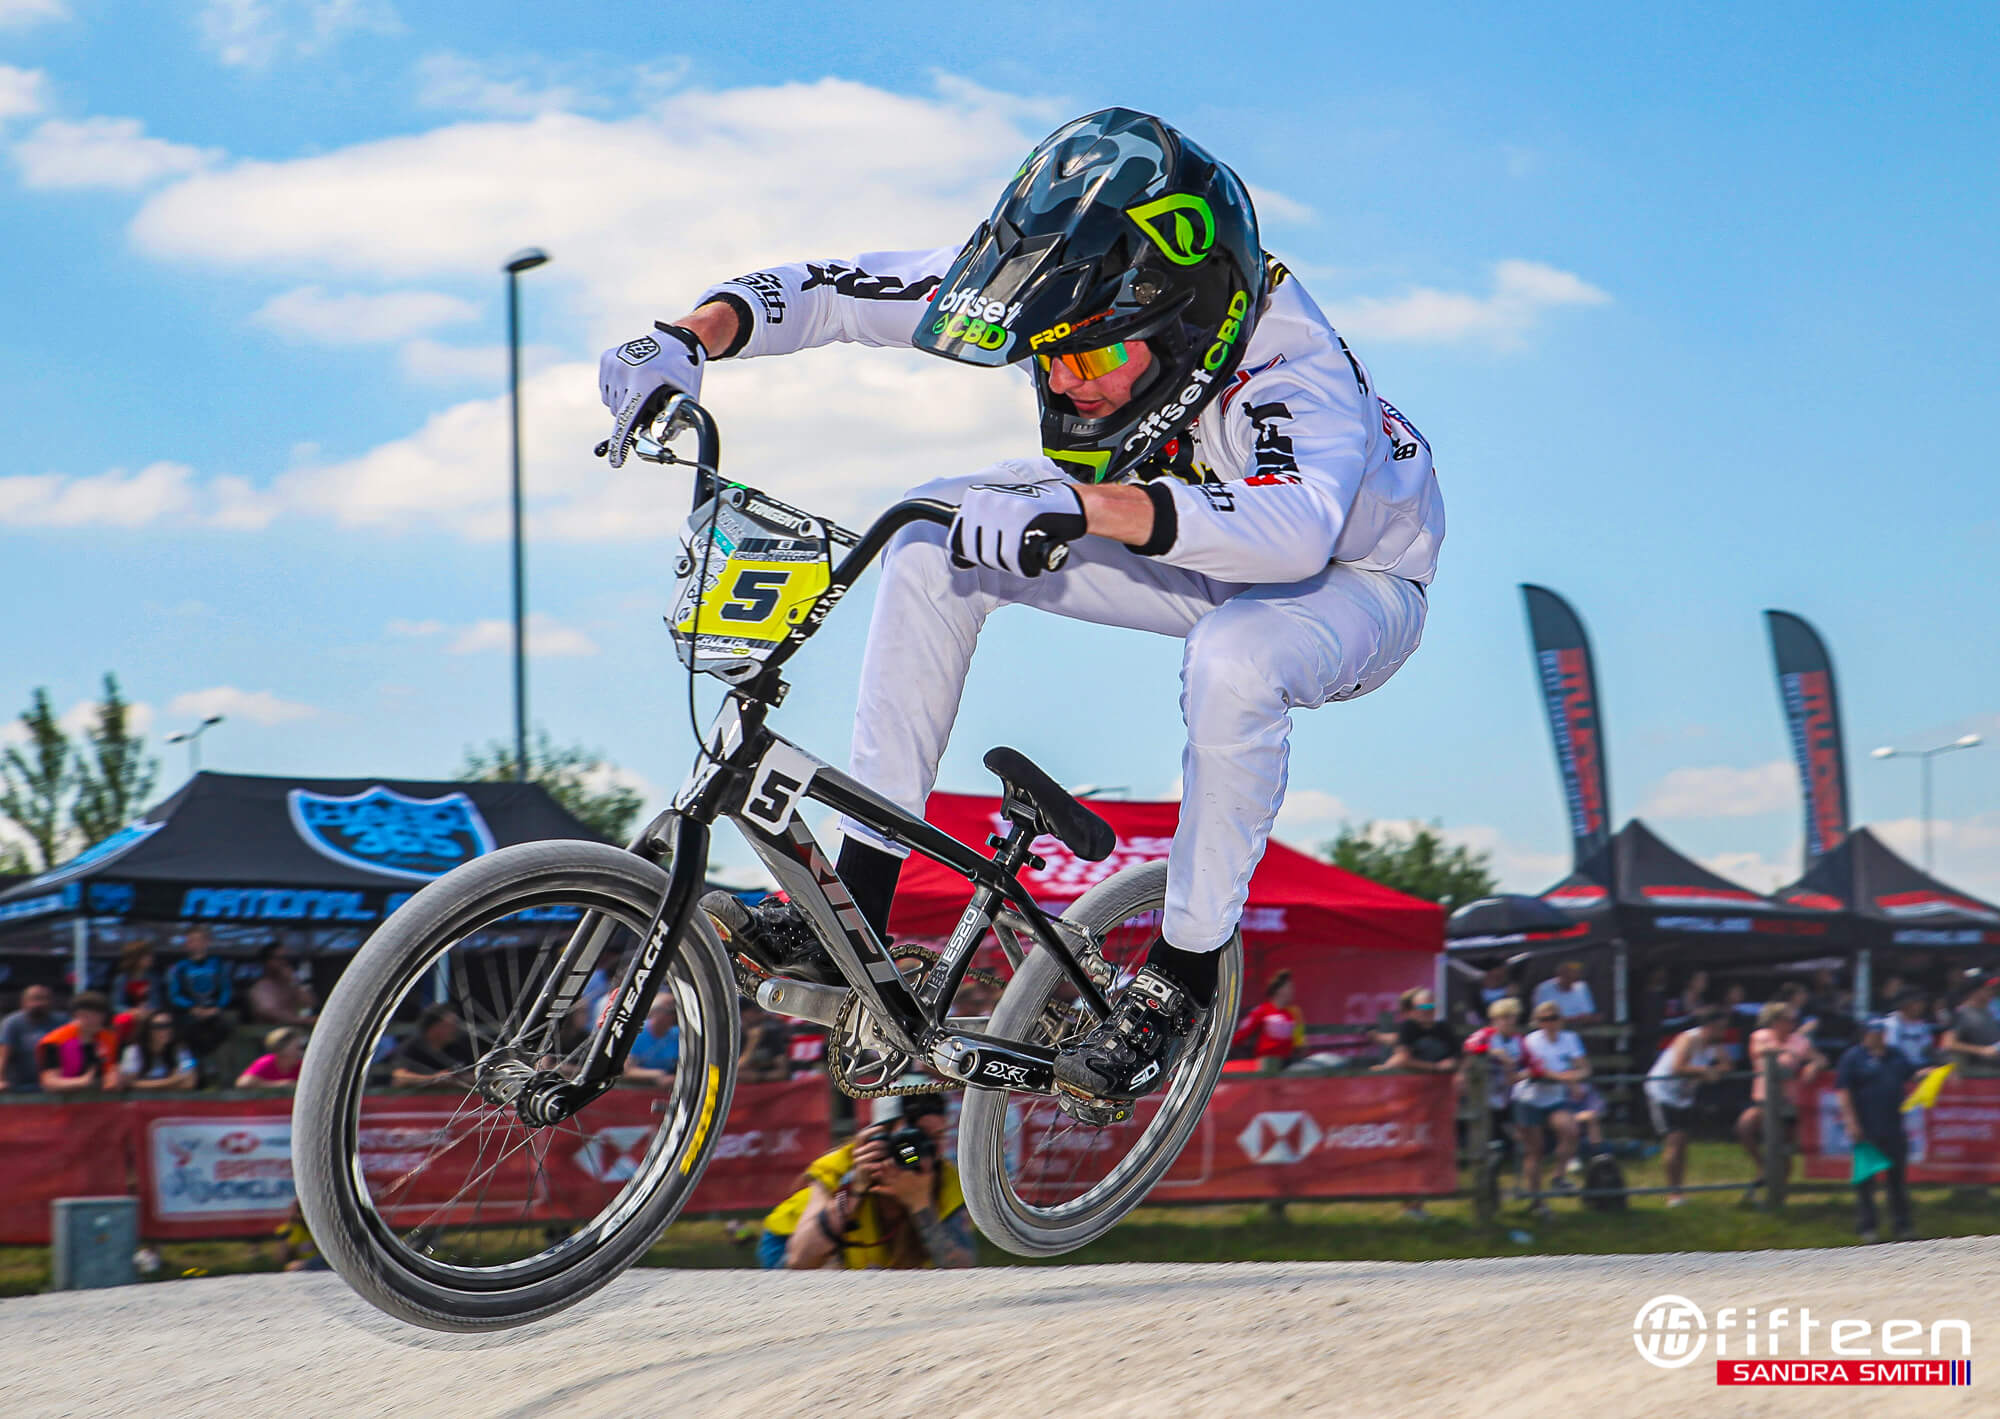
1042 553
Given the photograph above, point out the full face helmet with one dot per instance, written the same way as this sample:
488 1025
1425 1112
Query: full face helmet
1116 229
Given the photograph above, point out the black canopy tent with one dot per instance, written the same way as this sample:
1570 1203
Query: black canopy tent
320 861
1896 913
1641 896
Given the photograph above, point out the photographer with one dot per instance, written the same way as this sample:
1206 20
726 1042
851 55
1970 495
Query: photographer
886 1200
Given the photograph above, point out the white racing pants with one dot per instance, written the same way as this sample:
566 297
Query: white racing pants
1254 653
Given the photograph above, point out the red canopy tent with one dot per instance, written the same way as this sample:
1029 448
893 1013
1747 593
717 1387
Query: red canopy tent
1351 944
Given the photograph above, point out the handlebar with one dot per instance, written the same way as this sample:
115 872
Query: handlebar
1039 552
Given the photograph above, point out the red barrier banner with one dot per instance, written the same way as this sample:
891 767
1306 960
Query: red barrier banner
217 1167
1365 1135
78 1149
212 1167
1956 1141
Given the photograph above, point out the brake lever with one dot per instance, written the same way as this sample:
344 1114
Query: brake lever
650 442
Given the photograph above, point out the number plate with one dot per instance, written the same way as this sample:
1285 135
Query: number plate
750 579
778 785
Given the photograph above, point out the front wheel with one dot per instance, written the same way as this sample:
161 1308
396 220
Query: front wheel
1039 1182
446 1210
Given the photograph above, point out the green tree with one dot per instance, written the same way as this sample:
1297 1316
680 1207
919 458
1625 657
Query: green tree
1419 864
35 783
580 779
113 774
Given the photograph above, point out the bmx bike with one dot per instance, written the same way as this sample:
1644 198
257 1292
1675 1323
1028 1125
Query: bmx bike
439 1207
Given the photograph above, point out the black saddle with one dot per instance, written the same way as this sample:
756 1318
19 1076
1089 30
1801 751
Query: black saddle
1036 801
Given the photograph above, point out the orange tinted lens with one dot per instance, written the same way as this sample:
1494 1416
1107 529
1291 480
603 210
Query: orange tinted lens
1091 364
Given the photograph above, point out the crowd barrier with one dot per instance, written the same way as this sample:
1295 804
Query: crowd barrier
221 1167
1954 1142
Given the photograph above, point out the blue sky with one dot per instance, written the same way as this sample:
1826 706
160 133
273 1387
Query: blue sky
1694 304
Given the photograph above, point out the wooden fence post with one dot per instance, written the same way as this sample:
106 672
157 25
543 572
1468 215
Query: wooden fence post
1479 1135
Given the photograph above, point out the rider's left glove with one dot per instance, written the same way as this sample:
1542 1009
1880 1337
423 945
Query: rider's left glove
995 521
638 377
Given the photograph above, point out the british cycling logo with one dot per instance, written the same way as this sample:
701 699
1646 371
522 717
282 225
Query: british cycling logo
381 830
1791 1346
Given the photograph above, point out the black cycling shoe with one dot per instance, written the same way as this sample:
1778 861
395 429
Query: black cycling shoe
1132 1052
773 936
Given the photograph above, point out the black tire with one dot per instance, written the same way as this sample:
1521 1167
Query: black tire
409 1281
1039 1226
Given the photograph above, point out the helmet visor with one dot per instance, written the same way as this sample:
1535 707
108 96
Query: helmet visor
991 300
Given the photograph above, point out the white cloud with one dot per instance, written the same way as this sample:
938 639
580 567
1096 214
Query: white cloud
22 92
1723 792
157 493
103 152
1274 206
1752 869
828 167
80 718
434 362
257 706
1522 292
546 636
113 499
354 318
1966 851
831 167
1308 815
516 89
416 629
251 34
31 12
1519 867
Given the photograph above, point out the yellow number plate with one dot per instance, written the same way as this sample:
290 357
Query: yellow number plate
757 601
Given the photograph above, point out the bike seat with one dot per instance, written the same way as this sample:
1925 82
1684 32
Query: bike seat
1038 801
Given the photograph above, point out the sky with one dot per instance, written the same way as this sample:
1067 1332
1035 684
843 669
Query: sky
1694 303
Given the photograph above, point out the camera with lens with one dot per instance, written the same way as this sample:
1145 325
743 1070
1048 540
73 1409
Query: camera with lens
911 1147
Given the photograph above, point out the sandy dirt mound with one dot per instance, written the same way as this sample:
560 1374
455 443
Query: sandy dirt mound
1534 1336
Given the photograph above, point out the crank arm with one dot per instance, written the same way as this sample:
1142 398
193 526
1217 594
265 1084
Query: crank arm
990 1062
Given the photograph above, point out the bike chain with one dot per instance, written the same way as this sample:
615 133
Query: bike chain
837 1062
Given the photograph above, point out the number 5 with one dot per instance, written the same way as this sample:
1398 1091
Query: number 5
755 595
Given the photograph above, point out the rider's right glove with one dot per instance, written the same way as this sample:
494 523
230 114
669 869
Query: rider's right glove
997 522
638 377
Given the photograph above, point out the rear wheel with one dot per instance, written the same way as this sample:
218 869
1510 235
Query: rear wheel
1039 1181
447 1210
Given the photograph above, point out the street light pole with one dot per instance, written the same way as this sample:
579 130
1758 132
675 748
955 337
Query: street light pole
526 260
1924 756
192 738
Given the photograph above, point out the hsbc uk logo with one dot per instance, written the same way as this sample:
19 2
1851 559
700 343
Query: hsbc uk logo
613 1154
1279 1137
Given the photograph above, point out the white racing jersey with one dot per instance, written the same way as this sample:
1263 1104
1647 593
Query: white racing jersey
1295 464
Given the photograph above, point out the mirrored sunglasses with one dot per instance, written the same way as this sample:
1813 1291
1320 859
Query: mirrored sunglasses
1089 364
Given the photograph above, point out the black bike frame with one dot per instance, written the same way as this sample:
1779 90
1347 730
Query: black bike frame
757 779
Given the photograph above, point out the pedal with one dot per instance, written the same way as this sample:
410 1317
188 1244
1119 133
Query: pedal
1097 1113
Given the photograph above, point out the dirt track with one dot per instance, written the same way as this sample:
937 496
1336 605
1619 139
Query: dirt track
1539 1335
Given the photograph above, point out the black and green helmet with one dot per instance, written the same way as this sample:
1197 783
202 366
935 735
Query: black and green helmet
1116 228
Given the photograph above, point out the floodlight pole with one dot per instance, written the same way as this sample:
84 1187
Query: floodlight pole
192 738
1924 756
526 260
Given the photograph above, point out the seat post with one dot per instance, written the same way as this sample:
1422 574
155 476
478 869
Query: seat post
1011 852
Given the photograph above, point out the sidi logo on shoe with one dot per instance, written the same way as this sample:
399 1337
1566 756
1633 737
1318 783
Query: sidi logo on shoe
1146 1075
